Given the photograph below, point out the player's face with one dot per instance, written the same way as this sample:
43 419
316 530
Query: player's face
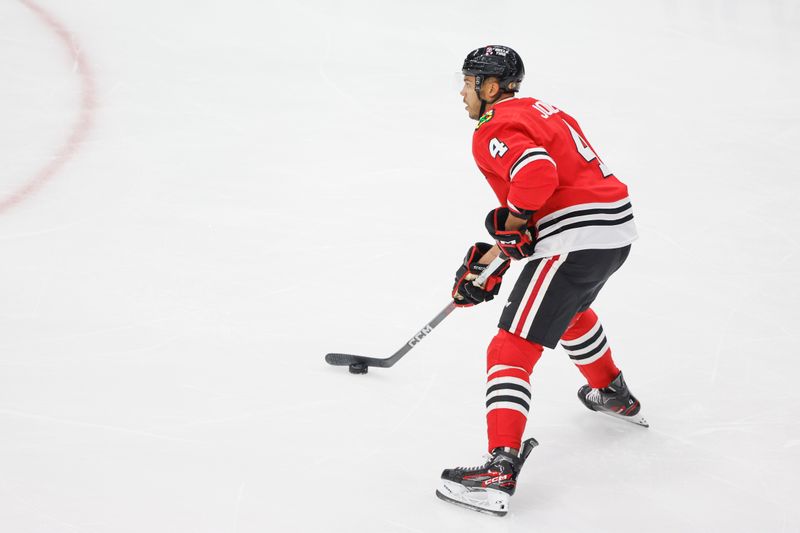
470 98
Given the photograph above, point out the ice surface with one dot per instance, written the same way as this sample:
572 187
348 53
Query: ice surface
265 182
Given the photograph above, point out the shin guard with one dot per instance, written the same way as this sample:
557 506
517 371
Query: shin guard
510 361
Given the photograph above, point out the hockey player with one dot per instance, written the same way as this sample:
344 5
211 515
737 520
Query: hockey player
568 218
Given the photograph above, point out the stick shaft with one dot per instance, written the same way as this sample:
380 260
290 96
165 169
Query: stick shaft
348 359
490 269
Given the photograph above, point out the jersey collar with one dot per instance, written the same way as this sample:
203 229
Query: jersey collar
509 99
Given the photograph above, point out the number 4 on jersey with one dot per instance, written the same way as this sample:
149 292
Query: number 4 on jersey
586 151
497 147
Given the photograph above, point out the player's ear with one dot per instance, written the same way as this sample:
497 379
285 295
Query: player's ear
492 89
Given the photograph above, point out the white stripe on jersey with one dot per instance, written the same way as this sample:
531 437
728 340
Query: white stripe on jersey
529 156
577 217
513 208
575 228
583 207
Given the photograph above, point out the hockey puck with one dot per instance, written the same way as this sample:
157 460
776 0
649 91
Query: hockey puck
358 368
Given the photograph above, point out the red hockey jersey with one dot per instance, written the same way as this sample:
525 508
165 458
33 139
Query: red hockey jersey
536 158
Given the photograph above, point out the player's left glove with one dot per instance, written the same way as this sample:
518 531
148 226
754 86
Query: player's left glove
516 244
465 293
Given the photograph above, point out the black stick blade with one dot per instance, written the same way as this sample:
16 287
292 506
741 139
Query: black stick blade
346 359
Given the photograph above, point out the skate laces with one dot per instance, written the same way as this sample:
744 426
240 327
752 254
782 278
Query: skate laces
487 458
594 396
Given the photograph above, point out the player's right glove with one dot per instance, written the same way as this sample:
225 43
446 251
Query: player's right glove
465 293
516 244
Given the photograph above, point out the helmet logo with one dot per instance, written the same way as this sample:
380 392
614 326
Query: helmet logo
497 51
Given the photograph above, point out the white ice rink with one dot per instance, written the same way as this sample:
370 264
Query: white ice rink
199 199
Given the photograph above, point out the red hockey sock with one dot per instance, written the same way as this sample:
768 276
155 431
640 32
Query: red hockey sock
587 346
509 363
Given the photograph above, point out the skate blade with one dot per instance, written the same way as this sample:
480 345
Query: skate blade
488 501
637 419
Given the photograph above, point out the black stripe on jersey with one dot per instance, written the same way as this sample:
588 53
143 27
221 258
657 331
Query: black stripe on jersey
524 157
603 346
587 223
512 386
583 212
583 345
512 399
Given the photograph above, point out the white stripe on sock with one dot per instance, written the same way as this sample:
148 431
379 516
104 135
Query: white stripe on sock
498 368
507 405
508 379
583 338
595 357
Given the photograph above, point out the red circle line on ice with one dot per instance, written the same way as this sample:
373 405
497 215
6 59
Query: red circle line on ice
83 124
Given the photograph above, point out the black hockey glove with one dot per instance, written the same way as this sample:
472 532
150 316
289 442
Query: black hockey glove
516 244
465 293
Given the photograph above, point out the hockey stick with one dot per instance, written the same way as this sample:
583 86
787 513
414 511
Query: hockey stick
360 363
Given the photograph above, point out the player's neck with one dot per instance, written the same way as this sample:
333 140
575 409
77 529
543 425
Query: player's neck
500 101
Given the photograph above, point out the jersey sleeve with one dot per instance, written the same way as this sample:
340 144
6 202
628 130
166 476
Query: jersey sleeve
514 155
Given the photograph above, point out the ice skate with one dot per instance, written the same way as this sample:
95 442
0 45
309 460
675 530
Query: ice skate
488 487
615 400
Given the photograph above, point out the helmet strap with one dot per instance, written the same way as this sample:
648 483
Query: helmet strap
484 103
478 83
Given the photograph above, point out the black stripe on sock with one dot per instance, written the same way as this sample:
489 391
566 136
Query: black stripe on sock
600 348
512 386
513 399
584 344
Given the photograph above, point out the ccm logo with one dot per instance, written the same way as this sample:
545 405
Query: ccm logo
497 479
420 335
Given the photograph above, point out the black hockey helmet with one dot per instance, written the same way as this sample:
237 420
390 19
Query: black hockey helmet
495 61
